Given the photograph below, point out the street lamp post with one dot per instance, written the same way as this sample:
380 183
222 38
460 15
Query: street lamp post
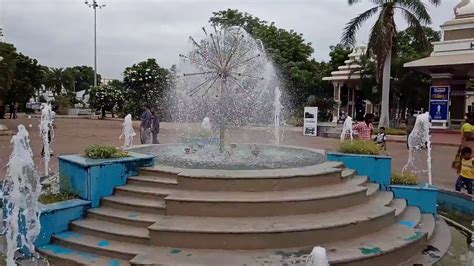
94 5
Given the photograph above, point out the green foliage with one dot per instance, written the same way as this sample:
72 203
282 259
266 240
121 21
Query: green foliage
53 198
106 97
63 102
79 78
393 131
405 179
104 152
145 84
7 68
359 147
28 79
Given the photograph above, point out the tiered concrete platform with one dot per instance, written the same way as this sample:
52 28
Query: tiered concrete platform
171 216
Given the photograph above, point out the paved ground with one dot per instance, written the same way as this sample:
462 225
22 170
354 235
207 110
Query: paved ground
74 135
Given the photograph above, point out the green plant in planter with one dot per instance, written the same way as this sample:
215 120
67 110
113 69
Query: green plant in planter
104 152
359 147
53 198
404 179
393 131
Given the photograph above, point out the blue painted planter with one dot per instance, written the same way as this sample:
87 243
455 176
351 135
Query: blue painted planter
55 218
378 168
92 179
456 202
425 198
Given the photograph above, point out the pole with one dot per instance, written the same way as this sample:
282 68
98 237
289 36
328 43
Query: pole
95 43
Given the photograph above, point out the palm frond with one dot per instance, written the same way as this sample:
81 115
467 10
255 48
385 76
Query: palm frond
417 8
414 23
350 31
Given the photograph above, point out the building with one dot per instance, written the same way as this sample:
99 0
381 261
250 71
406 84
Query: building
347 81
451 67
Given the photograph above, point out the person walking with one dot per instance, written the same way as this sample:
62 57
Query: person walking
145 126
366 128
155 130
466 174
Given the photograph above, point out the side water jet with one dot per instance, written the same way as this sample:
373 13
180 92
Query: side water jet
47 134
128 133
21 191
418 140
277 118
347 129
318 257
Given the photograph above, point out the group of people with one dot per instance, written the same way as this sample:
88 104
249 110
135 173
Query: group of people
149 127
365 131
463 161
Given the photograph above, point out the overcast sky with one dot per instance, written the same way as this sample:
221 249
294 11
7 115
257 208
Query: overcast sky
59 33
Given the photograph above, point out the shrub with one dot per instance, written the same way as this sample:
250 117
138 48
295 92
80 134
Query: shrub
52 198
404 179
104 152
359 147
393 131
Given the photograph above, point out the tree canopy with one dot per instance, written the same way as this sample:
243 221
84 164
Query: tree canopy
145 84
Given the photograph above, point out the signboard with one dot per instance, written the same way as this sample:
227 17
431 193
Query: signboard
310 127
439 103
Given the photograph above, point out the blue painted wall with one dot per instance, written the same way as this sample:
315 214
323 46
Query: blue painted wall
55 218
93 179
425 198
456 202
377 168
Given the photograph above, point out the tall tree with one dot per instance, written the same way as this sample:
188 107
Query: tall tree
145 84
55 80
8 59
410 88
29 78
383 37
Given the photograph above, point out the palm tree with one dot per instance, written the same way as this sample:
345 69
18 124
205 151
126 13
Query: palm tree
56 79
382 39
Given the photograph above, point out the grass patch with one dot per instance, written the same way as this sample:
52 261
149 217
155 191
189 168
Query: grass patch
359 147
393 131
404 179
104 152
53 198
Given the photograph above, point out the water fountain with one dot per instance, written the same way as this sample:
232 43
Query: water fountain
47 134
277 120
21 190
318 257
347 129
128 133
418 140
227 76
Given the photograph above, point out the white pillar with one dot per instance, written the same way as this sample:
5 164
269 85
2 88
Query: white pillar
337 99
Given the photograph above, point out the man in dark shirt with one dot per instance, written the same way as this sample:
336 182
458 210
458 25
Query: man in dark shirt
146 125
155 127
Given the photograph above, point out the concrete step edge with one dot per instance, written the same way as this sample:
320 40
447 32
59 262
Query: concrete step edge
66 256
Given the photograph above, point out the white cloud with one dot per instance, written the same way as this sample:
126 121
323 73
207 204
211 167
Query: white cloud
59 32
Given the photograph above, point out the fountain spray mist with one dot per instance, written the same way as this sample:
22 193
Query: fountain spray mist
47 133
419 138
21 191
128 133
277 117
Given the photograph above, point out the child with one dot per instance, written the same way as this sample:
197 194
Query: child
467 171
381 138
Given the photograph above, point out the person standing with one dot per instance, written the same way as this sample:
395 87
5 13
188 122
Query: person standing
466 174
145 126
155 130
15 110
365 129
12 110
